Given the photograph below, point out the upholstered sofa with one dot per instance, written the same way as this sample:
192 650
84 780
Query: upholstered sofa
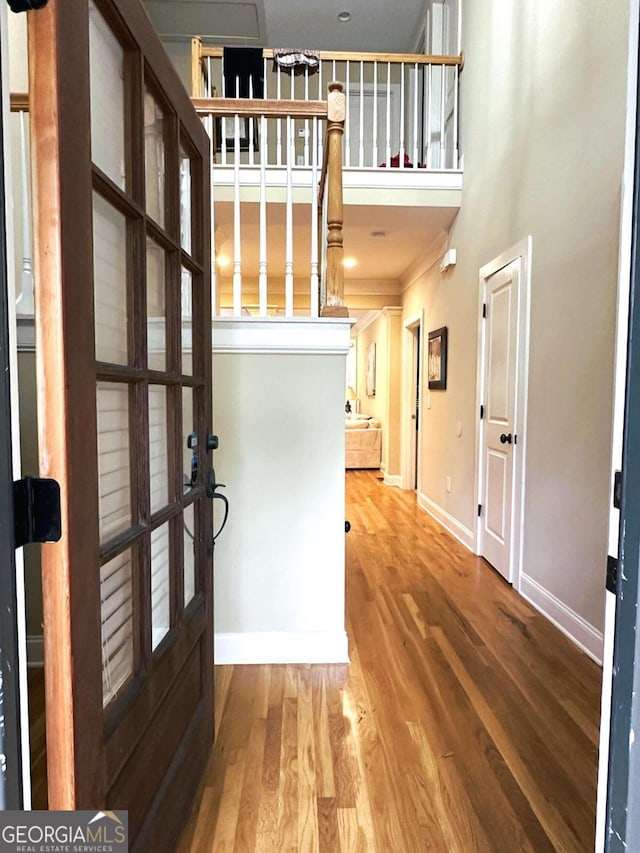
363 442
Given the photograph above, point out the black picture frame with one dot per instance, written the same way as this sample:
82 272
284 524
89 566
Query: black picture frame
437 359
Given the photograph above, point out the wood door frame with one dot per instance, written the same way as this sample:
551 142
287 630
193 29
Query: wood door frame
520 251
411 468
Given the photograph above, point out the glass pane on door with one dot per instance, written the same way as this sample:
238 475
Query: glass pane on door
158 452
110 282
114 474
116 617
154 170
189 554
156 310
160 600
107 99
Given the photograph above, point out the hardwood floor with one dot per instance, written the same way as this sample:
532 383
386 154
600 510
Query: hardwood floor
466 722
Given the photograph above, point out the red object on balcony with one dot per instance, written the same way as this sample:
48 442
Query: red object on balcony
395 163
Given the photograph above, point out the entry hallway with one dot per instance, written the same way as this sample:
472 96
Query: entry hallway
466 722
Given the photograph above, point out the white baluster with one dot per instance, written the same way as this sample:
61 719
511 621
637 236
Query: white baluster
237 240
263 140
288 251
207 82
215 306
321 95
24 303
262 261
428 112
442 118
314 222
279 121
415 115
361 145
347 123
388 145
306 121
374 158
250 120
223 126
401 115
456 160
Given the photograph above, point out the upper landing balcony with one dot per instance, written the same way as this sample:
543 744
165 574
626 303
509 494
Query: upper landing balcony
400 131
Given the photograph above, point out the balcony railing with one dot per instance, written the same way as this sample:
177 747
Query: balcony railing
259 251
401 110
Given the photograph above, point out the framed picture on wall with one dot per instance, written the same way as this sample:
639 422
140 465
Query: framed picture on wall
371 370
437 360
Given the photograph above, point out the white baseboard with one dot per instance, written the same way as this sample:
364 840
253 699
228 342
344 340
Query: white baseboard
584 635
392 479
451 524
263 647
35 650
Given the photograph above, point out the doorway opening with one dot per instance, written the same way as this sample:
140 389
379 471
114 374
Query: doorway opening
412 404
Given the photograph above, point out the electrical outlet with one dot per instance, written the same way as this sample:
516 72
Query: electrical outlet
448 484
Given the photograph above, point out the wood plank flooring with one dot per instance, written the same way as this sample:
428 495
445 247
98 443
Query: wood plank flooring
466 722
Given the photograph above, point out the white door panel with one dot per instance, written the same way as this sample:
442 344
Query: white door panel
499 443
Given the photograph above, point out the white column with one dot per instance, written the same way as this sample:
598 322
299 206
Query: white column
314 222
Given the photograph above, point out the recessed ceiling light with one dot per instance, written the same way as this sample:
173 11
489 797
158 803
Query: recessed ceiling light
349 262
223 261
344 17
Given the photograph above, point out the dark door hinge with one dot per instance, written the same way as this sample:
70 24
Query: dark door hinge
481 412
612 574
479 510
484 309
617 489
36 511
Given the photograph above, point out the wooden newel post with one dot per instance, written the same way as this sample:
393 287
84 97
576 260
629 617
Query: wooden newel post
335 306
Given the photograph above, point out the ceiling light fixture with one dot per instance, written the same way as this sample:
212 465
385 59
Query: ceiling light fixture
223 260
343 17
348 263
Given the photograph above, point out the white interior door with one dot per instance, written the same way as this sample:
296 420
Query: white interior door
499 445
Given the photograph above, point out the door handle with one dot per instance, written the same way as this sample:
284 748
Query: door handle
506 439
213 495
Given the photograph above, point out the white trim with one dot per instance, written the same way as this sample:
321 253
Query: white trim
394 480
272 647
450 524
392 311
35 650
410 459
520 251
280 335
584 635
365 321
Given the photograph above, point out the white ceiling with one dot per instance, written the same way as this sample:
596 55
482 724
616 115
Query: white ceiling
374 26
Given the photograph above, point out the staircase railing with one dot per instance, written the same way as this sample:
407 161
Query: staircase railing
255 221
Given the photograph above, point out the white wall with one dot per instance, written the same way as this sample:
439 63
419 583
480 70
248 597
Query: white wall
542 130
279 564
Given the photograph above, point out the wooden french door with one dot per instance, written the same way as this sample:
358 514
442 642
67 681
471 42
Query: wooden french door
123 322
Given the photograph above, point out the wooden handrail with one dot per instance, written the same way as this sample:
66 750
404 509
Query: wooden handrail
353 56
255 107
334 272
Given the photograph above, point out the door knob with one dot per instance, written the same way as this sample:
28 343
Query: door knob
506 439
